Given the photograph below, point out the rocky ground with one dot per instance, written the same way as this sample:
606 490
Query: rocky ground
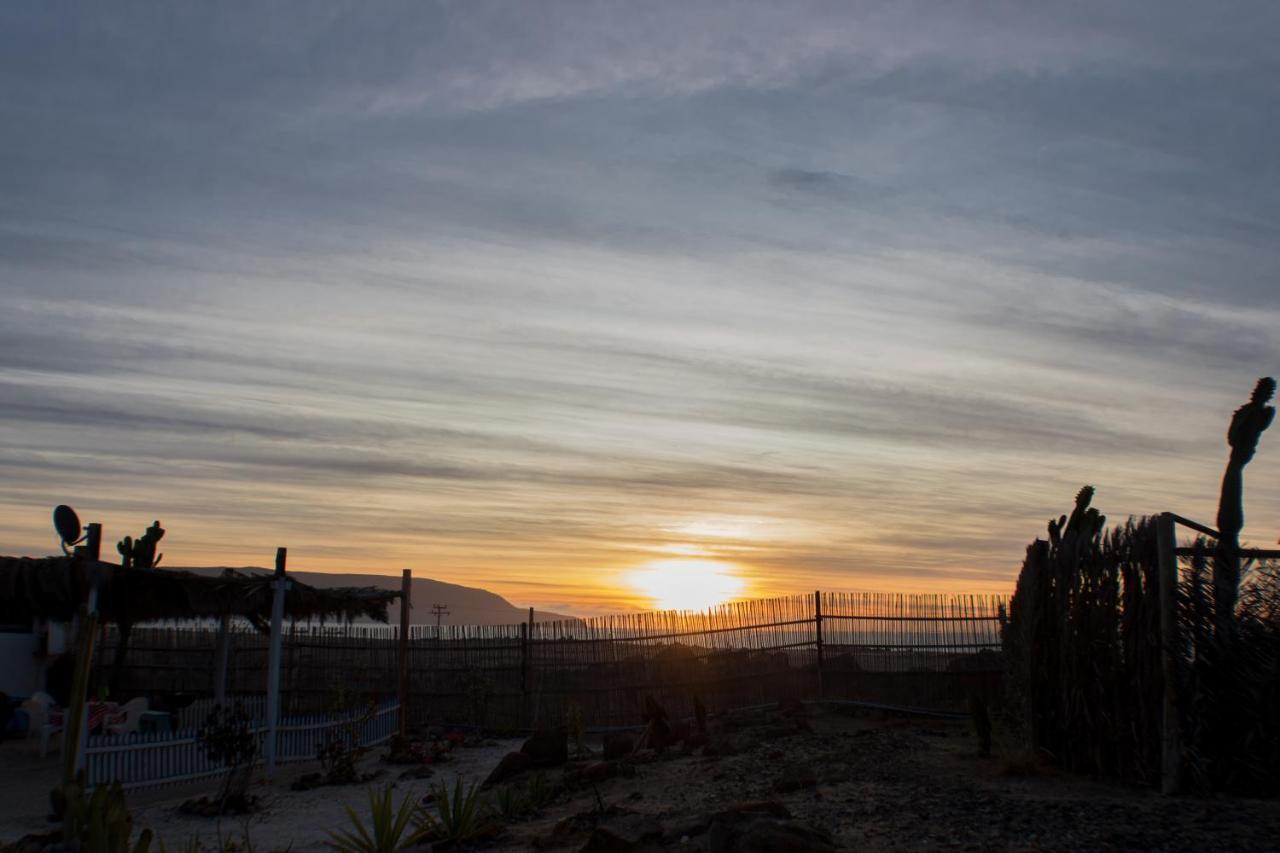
761 781
839 782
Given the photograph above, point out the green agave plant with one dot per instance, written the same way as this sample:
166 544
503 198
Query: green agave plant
389 829
517 801
459 816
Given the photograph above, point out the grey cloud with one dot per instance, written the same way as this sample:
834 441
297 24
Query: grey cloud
542 273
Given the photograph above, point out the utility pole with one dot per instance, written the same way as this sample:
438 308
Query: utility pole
439 610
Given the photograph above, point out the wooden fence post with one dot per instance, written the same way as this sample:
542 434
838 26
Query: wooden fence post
93 541
1170 740
530 713
524 673
817 622
273 662
406 586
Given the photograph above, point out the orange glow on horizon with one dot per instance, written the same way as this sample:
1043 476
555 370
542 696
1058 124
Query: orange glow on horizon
685 584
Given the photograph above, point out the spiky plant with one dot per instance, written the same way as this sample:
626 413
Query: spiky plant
459 816
516 801
390 828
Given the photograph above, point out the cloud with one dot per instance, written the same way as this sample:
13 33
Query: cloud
524 292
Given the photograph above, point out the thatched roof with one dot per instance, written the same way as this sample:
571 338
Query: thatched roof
53 588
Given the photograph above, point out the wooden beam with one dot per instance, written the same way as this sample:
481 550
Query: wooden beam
1197 526
1245 553
1170 739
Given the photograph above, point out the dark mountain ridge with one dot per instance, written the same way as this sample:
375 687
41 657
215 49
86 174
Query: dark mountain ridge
466 605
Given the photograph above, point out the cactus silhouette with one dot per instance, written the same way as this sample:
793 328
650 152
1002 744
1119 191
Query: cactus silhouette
141 553
1248 424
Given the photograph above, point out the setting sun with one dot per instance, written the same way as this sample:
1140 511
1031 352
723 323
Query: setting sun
679 584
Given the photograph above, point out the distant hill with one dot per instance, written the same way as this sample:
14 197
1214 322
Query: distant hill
467 605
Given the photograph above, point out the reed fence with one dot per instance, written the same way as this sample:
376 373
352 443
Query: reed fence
918 652
144 760
1121 663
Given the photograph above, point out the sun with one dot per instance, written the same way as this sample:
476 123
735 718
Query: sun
678 584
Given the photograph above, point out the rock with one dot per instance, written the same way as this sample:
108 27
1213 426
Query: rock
750 810
618 746
308 782
512 764
734 743
422 771
768 835
694 741
592 774
658 731
625 832
35 843
794 777
685 828
605 840
400 751
548 747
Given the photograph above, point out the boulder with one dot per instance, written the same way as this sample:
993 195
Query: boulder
596 772
512 764
618 746
605 840
548 747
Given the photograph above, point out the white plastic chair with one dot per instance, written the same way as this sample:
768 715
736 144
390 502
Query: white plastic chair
130 713
46 719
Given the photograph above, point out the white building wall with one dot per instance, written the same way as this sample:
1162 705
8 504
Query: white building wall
21 672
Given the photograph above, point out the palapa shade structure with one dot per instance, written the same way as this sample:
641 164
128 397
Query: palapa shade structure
53 588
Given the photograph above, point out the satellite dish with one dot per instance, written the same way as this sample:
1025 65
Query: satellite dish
67 523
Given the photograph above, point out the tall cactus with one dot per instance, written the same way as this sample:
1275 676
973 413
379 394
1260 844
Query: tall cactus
1247 425
141 553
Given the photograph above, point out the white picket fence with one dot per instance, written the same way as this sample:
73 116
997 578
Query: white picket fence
194 715
141 760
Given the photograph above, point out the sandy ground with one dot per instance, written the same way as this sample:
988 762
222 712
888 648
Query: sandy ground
296 820
870 782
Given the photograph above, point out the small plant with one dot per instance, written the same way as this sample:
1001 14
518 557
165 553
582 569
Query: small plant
228 737
459 817
517 801
339 751
389 829
98 823
509 803
981 720
337 757
577 728
538 792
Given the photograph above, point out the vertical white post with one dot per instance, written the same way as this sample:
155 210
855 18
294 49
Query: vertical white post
86 648
273 662
223 653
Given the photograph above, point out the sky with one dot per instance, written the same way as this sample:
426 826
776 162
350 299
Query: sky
589 302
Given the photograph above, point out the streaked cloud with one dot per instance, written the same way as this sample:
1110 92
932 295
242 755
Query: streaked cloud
510 297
